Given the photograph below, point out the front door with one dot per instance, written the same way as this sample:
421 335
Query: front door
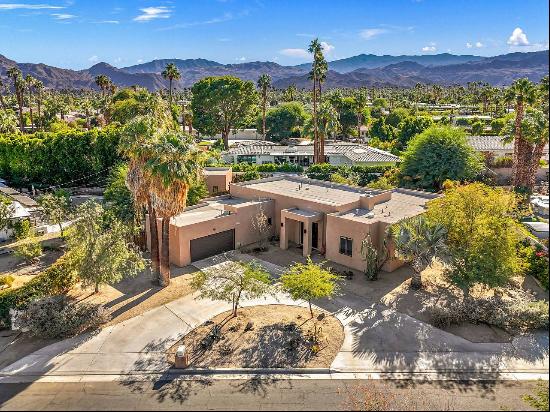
315 235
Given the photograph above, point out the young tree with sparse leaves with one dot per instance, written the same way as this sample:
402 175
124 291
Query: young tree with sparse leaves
309 281
56 208
232 281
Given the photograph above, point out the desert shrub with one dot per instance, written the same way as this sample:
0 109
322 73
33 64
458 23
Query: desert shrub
55 280
59 317
29 250
539 398
248 175
501 162
6 281
536 264
518 315
22 228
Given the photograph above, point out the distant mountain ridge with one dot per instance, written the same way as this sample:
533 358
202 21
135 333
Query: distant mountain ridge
368 71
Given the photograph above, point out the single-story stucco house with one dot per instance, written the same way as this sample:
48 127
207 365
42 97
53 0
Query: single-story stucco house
335 153
332 219
496 146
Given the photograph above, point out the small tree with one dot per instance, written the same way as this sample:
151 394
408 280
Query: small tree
308 281
232 281
29 249
5 212
102 249
418 241
56 208
260 224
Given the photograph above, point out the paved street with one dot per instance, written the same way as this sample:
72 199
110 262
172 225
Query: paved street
259 394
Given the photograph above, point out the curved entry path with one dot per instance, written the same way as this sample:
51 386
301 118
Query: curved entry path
378 340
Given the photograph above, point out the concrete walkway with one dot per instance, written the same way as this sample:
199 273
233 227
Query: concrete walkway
378 340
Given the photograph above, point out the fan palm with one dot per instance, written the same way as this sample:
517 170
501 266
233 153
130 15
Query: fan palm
264 84
418 241
175 164
317 75
19 85
171 73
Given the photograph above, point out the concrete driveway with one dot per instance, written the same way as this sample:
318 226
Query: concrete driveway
378 340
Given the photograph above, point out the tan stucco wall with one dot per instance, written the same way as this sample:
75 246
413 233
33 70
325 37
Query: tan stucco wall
222 181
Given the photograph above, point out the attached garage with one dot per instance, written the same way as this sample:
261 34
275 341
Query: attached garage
207 246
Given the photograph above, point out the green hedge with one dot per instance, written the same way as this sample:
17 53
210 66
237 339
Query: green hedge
58 158
57 279
266 167
361 174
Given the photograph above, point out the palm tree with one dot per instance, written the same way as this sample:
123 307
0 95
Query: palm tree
264 84
521 92
329 123
29 83
171 73
175 164
2 102
133 144
103 82
39 89
317 75
418 241
19 86
360 104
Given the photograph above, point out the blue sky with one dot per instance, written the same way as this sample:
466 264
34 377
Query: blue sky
76 34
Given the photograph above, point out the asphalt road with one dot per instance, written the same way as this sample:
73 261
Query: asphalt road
262 394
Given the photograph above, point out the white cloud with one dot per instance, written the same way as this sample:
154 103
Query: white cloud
240 59
301 53
107 22
368 34
518 38
327 48
19 6
139 60
469 45
215 20
479 45
63 16
429 48
151 13
93 59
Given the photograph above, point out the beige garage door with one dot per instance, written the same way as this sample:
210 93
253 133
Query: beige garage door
211 245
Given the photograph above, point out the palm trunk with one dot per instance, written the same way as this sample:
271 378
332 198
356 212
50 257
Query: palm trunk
315 132
38 103
96 289
165 253
531 174
416 280
263 116
321 137
225 137
518 146
170 93
20 107
32 118
153 233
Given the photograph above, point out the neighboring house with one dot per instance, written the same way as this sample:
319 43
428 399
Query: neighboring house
310 214
336 154
217 179
495 145
22 207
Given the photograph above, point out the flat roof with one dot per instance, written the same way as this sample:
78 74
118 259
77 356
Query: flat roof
401 205
309 189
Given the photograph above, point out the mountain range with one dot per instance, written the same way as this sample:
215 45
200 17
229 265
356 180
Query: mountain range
363 70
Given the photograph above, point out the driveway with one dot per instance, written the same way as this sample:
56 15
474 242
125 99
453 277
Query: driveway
378 340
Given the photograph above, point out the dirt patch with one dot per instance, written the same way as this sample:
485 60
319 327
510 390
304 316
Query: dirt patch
281 337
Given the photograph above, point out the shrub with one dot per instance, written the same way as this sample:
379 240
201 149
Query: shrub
58 317
57 279
29 250
536 262
6 280
519 315
501 162
22 228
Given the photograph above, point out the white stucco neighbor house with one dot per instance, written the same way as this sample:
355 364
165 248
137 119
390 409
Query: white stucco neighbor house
335 153
21 207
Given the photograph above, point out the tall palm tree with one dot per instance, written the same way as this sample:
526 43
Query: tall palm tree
29 83
329 120
522 92
2 101
264 84
171 73
19 86
39 90
360 105
175 164
317 75
418 241
103 82
135 140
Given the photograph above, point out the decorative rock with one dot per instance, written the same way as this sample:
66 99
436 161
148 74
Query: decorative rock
249 326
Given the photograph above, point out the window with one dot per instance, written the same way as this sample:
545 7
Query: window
269 221
215 189
246 159
346 246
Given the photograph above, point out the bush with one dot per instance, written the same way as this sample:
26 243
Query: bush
56 280
29 250
58 317
501 162
6 281
22 228
536 264
519 315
